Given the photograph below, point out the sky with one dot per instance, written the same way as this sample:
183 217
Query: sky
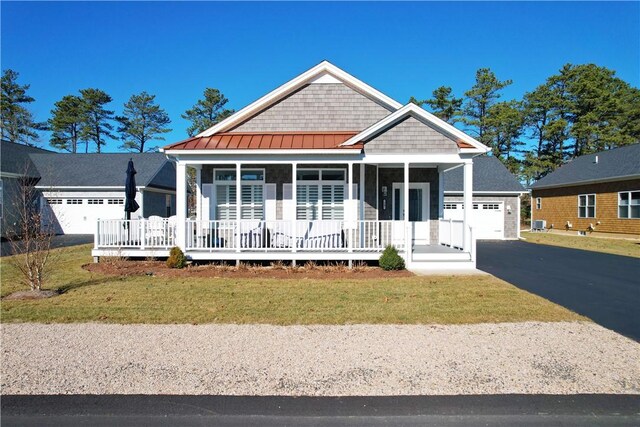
175 50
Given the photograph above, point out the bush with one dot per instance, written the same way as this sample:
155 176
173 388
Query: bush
176 258
390 260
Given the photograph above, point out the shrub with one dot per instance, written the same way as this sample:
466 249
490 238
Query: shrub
176 258
390 260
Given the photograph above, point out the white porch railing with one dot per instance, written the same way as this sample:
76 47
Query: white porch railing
135 233
451 233
293 236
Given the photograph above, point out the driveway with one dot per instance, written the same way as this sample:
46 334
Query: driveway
603 287
60 241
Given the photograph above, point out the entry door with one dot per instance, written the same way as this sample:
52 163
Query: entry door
418 209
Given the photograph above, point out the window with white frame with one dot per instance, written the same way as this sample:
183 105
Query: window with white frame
587 206
629 204
95 201
74 201
115 201
251 194
54 201
320 194
538 203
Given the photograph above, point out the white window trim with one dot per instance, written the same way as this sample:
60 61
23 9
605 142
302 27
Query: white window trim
232 183
628 206
319 183
587 206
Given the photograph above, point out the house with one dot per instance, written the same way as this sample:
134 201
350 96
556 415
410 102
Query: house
597 192
496 199
324 167
79 189
16 169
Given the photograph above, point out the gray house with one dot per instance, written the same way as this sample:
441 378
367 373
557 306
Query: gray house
324 167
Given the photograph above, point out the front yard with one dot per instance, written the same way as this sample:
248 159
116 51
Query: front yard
596 244
139 298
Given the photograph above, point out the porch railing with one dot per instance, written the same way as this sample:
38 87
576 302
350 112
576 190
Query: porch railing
293 236
451 233
135 233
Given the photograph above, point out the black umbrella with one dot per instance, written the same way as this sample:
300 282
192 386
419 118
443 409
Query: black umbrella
130 190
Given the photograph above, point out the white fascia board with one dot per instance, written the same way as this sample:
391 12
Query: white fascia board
514 193
425 115
588 181
414 158
290 86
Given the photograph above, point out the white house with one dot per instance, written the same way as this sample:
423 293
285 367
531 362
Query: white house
324 167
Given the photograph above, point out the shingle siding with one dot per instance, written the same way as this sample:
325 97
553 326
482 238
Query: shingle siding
317 107
410 136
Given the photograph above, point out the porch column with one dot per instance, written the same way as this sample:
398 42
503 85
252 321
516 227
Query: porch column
467 193
405 215
440 193
238 203
294 202
351 213
181 205
362 192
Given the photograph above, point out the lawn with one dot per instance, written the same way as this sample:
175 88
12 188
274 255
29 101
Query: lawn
596 244
94 297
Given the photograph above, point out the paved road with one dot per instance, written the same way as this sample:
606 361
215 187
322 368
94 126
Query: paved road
498 410
603 287
61 241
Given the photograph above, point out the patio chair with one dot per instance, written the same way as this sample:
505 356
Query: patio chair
155 230
252 234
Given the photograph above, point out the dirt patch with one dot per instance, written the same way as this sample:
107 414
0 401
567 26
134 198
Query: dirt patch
159 268
26 295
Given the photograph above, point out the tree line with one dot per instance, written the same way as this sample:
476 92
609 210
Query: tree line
83 120
579 110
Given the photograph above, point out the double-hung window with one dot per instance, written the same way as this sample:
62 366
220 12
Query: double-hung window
320 194
629 204
587 206
251 194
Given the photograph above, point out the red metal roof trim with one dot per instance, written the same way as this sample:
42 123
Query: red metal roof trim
268 141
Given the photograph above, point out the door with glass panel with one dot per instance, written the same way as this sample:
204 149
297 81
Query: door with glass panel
418 210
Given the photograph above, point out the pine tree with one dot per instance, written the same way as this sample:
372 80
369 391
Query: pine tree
142 121
444 105
96 126
66 123
18 124
207 112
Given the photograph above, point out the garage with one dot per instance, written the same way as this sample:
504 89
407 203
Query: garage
488 217
78 215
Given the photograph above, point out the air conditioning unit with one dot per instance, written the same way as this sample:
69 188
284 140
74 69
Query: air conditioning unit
539 224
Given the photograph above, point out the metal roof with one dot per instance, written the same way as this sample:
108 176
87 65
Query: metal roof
616 163
489 174
267 141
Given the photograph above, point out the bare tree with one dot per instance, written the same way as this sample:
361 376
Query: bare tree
30 238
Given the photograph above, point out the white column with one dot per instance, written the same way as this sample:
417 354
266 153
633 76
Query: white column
198 169
181 205
294 202
467 192
362 192
238 203
518 215
407 234
352 212
440 193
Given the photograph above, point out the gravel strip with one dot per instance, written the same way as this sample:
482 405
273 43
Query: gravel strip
551 358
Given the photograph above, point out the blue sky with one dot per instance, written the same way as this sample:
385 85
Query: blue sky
175 50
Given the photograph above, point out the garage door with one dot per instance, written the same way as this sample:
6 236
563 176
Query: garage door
79 215
488 218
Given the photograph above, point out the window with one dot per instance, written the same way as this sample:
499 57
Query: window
451 206
95 201
74 201
491 206
538 203
629 204
115 201
251 194
54 201
587 206
320 194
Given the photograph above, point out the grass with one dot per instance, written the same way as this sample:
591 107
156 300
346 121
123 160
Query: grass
90 297
596 244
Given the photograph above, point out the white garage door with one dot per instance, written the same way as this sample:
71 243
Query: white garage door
488 218
79 215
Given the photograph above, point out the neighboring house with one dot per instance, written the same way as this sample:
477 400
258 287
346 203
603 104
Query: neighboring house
324 167
496 199
597 192
79 189
16 170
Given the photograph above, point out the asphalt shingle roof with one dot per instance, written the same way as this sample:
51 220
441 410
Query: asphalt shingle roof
489 174
103 170
618 162
14 158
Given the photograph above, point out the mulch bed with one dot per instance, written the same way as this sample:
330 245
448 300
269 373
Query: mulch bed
159 268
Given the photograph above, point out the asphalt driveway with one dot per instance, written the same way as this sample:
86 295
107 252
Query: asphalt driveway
60 241
603 287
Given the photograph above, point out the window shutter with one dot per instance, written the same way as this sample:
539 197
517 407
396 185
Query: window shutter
270 202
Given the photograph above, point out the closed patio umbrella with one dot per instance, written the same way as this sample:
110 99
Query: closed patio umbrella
130 190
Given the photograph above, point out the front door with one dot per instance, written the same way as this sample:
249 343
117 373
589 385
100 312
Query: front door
418 209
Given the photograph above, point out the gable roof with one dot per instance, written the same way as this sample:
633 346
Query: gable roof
14 158
103 170
489 175
612 165
464 141
264 141
324 70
